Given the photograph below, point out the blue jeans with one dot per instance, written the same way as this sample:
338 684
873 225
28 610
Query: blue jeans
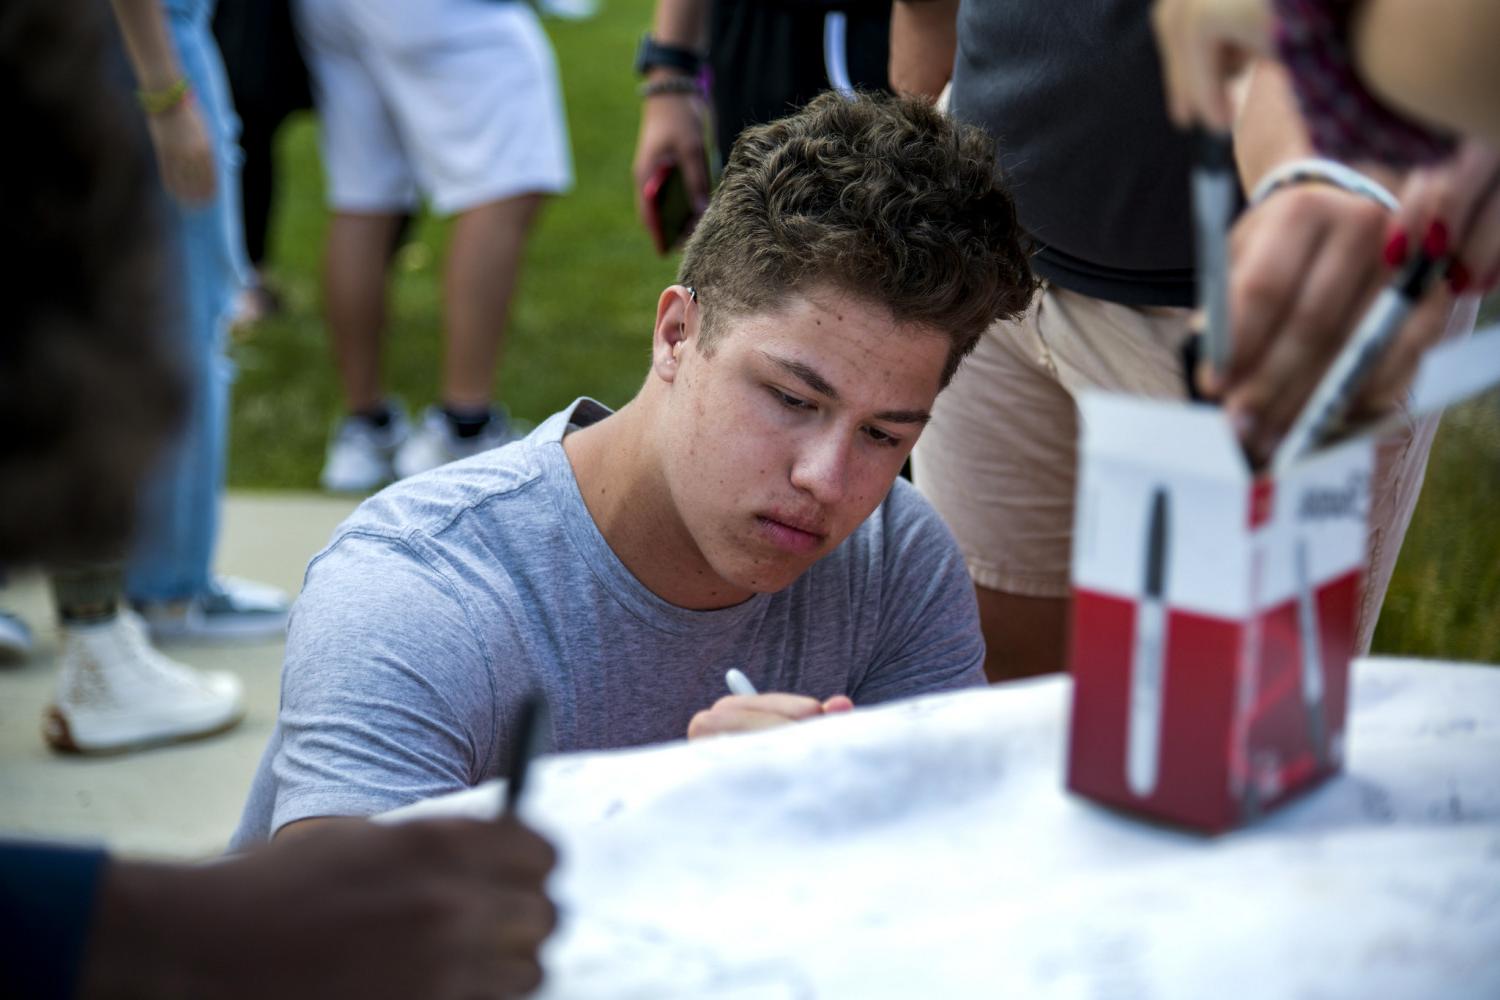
178 522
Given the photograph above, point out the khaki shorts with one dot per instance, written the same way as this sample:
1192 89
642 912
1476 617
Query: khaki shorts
998 458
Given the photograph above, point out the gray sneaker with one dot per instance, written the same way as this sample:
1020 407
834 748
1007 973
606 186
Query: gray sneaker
360 454
231 608
433 442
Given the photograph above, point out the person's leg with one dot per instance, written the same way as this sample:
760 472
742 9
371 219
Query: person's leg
179 523
484 123
354 293
370 190
999 458
996 462
484 257
169 575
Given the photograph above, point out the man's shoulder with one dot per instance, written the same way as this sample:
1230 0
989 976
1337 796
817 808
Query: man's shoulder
461 498
445 501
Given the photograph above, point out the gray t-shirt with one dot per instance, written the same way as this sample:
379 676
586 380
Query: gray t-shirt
446 597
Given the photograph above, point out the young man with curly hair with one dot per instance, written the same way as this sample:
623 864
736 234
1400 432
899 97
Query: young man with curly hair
743 510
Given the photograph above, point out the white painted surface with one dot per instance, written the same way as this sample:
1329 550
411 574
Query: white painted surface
929 849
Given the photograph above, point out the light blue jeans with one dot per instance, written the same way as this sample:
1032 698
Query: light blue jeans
179 518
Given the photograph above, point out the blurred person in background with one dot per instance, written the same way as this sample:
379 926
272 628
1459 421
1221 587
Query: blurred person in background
115 691
181 89
457 101
92 383
760 60
1101 181
1391 81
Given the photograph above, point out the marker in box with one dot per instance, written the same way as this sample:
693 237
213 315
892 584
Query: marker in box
1312 653
1216 192
1148 659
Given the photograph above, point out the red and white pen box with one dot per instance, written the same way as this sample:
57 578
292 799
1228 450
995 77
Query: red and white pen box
1214 610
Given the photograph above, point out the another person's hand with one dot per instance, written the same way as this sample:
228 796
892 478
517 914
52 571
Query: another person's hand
184 152
1304 266
1204 44
1454 208
746 713
672 132
441 908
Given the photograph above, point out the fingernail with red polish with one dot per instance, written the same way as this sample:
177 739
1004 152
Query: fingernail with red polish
1459 277
1395 249
1436 242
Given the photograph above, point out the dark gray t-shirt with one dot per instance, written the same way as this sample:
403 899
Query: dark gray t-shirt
1072 94
447 596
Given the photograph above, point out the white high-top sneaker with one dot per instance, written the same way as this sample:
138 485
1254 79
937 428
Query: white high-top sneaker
115 692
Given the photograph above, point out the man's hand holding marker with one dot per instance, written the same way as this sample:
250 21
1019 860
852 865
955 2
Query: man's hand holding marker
745 710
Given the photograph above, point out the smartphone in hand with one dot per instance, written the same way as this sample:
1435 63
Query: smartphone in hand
669 211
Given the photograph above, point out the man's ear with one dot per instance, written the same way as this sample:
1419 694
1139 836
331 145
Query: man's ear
676 322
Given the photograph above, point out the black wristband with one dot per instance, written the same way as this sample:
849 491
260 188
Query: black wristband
652 54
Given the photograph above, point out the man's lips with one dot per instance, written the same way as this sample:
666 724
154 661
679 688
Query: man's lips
791 533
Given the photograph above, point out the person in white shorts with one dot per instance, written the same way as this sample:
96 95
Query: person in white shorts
457 101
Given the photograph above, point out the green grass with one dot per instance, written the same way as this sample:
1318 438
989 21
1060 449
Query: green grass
582 320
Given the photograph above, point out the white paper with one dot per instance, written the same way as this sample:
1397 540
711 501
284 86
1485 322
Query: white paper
928 849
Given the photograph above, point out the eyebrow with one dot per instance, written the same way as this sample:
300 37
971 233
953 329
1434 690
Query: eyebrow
817 383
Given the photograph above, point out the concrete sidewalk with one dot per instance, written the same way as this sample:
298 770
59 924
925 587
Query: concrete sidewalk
176 801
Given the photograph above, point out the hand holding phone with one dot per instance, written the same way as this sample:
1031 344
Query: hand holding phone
669 210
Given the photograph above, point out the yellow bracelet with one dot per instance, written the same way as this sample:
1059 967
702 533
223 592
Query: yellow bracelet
154 102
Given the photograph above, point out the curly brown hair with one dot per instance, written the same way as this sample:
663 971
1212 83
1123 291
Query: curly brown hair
90 387
880 197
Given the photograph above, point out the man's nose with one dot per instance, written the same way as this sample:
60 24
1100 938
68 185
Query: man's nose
821 466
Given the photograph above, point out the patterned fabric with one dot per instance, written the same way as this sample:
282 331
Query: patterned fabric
1344 119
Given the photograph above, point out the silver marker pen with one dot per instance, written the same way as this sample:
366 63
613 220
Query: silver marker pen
1312 653
1353 365
738 683
1216 191
1148 658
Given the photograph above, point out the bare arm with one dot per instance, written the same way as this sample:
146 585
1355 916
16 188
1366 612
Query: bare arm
1435 60
924 39
148 42
444 908
179 135
672 125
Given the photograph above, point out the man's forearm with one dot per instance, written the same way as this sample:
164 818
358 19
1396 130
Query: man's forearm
924 39
1434 59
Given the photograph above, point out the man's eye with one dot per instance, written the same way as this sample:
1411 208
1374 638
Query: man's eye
880 437
790 402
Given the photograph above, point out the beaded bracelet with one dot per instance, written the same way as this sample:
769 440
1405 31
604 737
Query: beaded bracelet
155 102
669 85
